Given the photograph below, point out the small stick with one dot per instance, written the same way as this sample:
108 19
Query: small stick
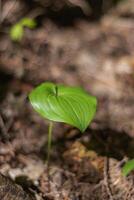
3 129
106 178
0 12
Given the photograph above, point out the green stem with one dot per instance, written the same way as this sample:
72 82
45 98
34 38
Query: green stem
56 91
49 141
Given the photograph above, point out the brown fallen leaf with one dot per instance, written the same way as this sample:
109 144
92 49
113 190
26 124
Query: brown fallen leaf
82 4
11 191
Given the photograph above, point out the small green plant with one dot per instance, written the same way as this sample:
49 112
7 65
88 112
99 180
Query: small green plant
17 30
128 167
59 103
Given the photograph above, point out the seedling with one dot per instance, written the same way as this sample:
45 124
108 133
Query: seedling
17 30
128 167
59 103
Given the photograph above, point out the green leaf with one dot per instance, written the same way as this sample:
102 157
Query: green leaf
27 22
71 105
128 167
16 32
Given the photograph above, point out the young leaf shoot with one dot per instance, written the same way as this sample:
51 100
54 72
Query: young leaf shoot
17 30
29 23
59 103
128 167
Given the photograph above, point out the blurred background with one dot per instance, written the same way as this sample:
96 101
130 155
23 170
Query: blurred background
77 42
88 43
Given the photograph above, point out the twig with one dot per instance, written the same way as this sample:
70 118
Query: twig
106 178
3 129
0 11
98 185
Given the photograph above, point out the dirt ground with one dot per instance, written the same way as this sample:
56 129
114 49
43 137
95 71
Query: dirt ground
73 47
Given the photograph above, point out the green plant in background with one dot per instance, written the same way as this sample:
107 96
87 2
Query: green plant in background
59 103
17 30
128 167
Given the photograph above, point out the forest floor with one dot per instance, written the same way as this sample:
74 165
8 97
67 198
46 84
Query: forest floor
97 55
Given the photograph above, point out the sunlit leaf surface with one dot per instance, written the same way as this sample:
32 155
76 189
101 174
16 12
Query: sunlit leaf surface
71 105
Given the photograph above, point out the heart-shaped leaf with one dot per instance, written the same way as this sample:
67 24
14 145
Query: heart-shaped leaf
71 105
